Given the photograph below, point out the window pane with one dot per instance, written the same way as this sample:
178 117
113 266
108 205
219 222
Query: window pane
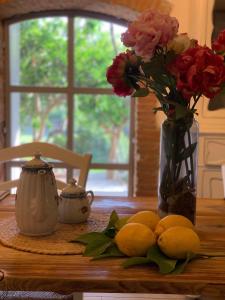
39 117
38 52
101 182
60 174
96 44
101 127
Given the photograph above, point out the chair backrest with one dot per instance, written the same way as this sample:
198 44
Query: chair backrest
223 177
70 158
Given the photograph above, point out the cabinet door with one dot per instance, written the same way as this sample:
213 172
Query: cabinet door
210 183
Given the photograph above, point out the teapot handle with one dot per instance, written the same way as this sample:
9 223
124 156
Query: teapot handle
91 194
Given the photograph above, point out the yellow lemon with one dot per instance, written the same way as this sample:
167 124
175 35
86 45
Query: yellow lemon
178 241
146 217
170 221
134 239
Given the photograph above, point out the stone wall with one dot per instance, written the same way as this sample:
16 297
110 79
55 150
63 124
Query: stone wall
125 9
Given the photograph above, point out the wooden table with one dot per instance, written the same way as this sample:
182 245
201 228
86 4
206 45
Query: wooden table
75 273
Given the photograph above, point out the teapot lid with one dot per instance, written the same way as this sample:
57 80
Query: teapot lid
72 189
37 163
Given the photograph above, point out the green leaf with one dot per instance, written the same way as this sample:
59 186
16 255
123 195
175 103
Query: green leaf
111 251
154 68
181 111
133 261
110 232
97 243
142 92
165 264
181 264
112 219
170 56
121 222
97 247
110 229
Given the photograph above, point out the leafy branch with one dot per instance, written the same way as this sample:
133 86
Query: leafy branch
101 245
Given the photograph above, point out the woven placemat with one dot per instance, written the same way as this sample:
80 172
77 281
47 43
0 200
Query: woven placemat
54 244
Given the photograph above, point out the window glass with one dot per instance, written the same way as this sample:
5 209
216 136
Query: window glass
101 127
96 43
38 117
96 121
108 182
38 52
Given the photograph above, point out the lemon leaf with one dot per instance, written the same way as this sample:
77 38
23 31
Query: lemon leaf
112 219
181 264
96 243
111 251
165 264
110 229
138 260
87 238
97 247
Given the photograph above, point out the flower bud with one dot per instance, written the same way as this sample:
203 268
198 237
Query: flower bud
181 43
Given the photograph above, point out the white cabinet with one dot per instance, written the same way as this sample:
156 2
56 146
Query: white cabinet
211 156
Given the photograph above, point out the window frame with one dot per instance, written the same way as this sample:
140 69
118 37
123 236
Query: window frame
70 91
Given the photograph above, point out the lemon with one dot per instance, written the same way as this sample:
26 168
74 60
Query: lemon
178 241
170 221
146 217
134 239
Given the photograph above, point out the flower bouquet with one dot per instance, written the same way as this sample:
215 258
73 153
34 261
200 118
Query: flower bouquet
179 72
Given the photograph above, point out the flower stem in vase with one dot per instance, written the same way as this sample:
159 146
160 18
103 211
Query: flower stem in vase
177 192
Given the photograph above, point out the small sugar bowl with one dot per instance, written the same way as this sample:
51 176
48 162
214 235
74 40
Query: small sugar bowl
74 203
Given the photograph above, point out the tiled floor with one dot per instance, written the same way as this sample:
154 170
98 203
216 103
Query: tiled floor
96 296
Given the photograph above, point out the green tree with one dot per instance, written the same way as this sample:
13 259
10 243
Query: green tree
43 44
108 113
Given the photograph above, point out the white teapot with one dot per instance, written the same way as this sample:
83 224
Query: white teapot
36 199
74 203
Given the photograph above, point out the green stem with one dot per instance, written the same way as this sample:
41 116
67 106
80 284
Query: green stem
178 171
196 101
191 160
148 83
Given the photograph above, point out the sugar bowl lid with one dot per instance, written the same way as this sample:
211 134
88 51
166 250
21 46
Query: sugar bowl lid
36 163
73 190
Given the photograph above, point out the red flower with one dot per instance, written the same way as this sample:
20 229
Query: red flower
198 71
117 73
219 44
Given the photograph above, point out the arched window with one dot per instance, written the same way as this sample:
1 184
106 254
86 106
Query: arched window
57 92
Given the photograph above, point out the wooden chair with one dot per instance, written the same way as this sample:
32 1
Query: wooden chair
74 160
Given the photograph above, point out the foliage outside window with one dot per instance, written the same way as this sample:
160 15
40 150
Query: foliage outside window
59 94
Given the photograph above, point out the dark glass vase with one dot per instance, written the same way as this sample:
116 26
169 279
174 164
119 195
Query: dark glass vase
178 167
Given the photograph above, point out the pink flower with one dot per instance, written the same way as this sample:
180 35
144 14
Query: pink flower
152 29
117 73
219 44
198 71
